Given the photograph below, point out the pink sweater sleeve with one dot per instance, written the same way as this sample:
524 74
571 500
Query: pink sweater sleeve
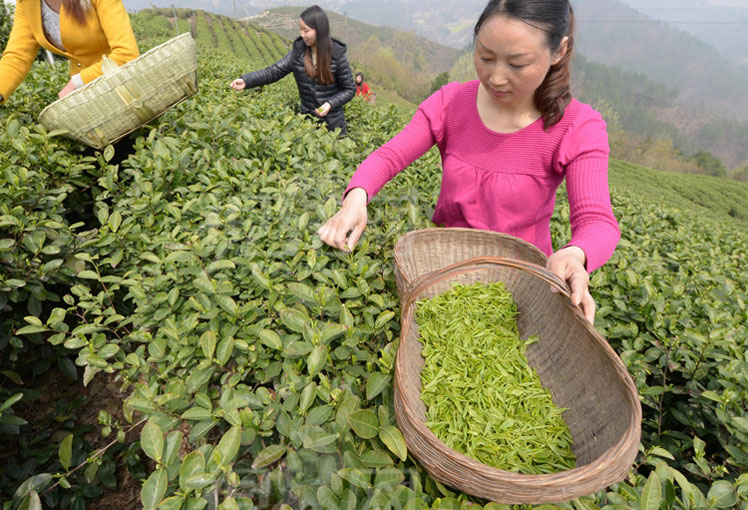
421 133
584 153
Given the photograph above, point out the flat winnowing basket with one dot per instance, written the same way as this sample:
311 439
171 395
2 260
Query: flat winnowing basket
421 252
574 363
127 97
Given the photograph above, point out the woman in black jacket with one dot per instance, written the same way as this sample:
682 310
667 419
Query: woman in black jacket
320 67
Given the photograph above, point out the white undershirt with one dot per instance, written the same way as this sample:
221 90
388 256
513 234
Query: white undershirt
51 26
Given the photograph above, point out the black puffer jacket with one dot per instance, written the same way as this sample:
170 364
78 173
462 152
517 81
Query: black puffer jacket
312 93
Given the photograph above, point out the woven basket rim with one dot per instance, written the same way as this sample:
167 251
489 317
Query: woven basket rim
446 231
626 446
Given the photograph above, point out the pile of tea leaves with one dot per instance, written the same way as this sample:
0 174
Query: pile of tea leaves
483 399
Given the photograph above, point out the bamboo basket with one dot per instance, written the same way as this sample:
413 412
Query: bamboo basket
421 252
574 363
127 97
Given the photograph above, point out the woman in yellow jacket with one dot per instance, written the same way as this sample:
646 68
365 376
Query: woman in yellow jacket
81 30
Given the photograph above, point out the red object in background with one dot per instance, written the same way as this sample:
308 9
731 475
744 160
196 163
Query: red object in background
362 89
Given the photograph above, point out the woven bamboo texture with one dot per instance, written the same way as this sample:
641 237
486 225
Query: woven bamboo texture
421 252
127 97
574 363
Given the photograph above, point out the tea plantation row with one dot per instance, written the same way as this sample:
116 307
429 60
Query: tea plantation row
258 361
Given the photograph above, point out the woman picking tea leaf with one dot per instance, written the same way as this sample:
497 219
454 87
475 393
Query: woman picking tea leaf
81 30
320 68
507 141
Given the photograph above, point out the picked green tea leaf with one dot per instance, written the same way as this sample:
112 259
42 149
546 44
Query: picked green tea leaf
482 397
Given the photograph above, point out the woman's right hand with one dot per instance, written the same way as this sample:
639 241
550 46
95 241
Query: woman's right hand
344 229
238 84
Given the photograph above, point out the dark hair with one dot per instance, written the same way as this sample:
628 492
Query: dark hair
315 18
359 74
556 19
78 9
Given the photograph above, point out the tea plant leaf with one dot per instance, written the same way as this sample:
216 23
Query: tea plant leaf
152 441
652 494
355 477
364 423
388 478
32 502
260 278
327 498
171 448
302 292
376 459
196 413
220 265
208 343
228 446
171 503
722 495
383 319
393 439
331 332
293 319
154 489
317 359
317 439
65 451
271 339
308 394
193 462
269 455
376 383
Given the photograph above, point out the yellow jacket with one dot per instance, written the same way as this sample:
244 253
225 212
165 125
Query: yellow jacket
107 31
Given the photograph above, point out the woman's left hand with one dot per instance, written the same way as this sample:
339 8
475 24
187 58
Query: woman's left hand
324 109
569 265
67 89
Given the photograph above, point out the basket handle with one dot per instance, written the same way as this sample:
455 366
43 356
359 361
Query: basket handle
539 271
108 66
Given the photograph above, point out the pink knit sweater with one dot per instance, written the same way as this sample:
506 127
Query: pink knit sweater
506 182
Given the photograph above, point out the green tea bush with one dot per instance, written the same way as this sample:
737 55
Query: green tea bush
258 360
47 187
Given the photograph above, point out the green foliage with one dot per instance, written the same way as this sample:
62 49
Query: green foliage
46 186
440 80
258 361
717 199
6 23
709 164
741 174
211 32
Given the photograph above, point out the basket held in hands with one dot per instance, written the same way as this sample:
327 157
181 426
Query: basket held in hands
124 98
574 363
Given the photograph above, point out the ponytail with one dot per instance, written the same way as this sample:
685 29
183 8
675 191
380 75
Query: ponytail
554 94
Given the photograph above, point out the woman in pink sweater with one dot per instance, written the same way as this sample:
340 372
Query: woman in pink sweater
507 141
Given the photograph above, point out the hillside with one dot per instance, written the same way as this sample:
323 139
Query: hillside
394 59
705 80
720 23
249 43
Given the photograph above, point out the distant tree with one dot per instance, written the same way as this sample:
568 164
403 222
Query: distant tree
440 80
741 174
709 164
464 69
